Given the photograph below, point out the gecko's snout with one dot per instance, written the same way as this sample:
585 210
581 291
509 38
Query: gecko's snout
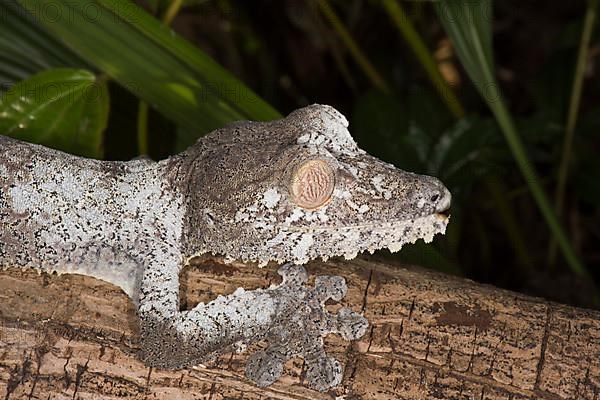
443 200
430 191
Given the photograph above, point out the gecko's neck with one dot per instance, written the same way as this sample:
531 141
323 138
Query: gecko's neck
182 176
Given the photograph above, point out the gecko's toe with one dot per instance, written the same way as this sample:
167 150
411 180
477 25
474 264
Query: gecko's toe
324 373
351 325
293 274
330 287
264 368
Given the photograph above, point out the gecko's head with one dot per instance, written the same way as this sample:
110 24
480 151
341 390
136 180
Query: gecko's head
299 188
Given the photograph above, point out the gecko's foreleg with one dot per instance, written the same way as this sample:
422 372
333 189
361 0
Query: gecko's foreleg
289 316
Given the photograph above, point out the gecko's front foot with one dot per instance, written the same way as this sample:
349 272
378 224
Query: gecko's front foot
300 328
290 317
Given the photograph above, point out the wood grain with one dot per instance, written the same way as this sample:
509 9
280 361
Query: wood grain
432 336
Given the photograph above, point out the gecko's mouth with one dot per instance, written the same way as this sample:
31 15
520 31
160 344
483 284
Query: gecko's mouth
444 214
441 217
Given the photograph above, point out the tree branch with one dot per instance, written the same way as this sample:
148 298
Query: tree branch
431 336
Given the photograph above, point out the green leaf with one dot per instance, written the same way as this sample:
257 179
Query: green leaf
158 6
468 24
154 63
27 48
63 108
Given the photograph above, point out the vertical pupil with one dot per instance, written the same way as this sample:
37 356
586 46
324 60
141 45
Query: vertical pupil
315 184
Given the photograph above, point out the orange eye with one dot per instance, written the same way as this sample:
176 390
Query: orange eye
312 184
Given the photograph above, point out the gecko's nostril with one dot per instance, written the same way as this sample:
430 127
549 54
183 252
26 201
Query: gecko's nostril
434 198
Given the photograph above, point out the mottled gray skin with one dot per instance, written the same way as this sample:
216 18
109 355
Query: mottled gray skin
137 223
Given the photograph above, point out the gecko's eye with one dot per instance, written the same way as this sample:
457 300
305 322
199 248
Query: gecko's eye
312 184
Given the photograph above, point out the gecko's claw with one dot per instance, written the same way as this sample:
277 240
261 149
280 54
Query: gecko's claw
300 326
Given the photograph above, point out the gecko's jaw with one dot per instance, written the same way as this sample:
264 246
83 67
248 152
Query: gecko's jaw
443 217
391 235
300 245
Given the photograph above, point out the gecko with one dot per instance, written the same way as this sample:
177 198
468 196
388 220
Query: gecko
286 191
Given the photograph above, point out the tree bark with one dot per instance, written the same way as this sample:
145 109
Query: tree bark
431 336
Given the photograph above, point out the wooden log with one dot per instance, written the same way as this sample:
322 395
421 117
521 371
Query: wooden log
432 336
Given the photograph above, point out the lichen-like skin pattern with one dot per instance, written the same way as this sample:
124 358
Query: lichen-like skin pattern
288 191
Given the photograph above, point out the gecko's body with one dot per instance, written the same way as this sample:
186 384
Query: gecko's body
287 191
64 213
